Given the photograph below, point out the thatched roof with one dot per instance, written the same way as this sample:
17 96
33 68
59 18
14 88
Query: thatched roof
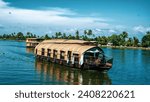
76 46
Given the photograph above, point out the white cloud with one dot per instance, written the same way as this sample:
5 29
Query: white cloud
148 29
3 4
141 29
60 11
112 31
52 17
98 30
70 30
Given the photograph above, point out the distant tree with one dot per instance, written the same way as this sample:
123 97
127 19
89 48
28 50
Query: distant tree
53 37
84 37
64 36
85 32
59 34
123 37
129 42
135 41
115 39
146 40
28 35
20 36
56 35
71 37
77 34
34 35
124 34
102 40
46 36
89 33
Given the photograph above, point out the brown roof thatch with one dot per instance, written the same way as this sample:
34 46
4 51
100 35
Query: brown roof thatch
76 46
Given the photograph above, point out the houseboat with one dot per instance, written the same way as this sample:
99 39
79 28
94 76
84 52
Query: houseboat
73 53
32 42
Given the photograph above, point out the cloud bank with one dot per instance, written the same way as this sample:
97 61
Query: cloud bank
51 20
141 29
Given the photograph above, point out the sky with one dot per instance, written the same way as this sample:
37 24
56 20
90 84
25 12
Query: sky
104 17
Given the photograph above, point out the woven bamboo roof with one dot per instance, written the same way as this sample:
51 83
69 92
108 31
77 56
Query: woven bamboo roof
76 46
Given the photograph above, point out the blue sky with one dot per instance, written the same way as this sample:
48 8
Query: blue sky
104 17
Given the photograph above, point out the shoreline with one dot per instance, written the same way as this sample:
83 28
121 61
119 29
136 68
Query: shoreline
103 46
12 40
125 47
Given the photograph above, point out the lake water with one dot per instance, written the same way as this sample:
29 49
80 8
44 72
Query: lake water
18 66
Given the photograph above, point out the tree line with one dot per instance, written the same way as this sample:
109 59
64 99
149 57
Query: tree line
115 39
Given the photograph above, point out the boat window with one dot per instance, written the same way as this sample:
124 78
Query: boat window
62 54
89 57
76 57
97 54
48 52
36 51
54 53
69 55
100 56
43 51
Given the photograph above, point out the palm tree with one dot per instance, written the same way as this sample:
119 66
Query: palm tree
125 34
77 34
85 32
58 35
20 36
135 41
146 40
115 39
64 36
123 37
28 34
46 36
129 42
89 33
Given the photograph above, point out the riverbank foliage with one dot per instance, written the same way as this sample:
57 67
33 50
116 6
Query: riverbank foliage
115 39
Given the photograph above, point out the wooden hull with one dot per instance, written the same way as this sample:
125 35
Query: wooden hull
75 65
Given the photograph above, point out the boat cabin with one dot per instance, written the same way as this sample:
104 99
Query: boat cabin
32 42
73 53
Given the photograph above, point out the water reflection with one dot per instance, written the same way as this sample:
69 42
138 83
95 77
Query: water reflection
29 50
51 71
145 58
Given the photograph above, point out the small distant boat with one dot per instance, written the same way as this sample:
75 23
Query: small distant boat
74 53
33 42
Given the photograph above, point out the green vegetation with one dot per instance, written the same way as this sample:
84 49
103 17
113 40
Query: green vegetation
146 40
18 36
115 39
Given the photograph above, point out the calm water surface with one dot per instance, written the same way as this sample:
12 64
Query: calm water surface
19 66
